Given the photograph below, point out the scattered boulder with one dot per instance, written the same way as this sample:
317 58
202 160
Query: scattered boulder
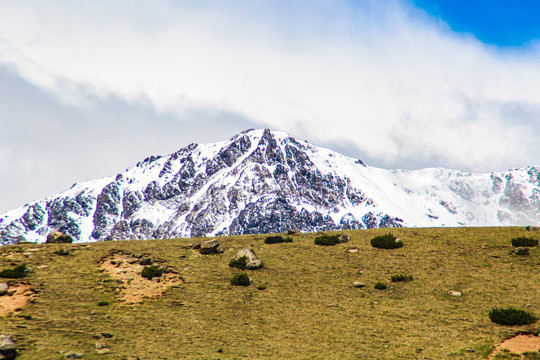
522 251
343 238
352 250
359 284
291 232
3 289
210 247
56 237
73 355
8 348
146 261
252 261
455 293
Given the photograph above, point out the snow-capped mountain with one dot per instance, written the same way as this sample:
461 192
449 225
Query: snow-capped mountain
263 181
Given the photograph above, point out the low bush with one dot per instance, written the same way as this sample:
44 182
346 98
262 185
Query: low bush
15 273
277 239
401 278
151 272
62 252
103 303
239 263
327 240
511 316
380 286
524 241
386 241
240 280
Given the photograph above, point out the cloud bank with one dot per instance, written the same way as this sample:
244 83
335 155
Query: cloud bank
382 80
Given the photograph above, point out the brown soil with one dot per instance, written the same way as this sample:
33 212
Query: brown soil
126 270
519 344
18 298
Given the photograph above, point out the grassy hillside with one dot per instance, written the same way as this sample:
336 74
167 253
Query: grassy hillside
301 305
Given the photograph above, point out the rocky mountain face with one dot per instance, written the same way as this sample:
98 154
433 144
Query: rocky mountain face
262 181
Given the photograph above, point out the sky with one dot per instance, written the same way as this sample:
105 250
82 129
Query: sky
88 89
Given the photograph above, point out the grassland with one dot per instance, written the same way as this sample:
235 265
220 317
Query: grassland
308 308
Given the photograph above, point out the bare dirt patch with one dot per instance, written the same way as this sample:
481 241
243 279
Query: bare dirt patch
126 270
16 298
519 344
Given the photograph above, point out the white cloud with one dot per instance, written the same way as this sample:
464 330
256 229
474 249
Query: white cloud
382 76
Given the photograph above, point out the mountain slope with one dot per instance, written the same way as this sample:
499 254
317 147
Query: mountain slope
263 181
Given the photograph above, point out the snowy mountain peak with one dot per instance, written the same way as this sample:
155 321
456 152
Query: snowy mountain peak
263 181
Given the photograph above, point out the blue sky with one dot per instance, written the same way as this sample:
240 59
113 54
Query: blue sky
500 23
90 88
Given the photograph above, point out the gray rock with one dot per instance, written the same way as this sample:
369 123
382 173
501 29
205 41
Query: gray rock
252 261
359 284
343 238
522 251
455 293
146 261
3 289
210 247
8 348
56 237
73 355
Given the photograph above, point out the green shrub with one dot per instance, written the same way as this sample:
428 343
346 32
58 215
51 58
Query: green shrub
524 241
401 278
103 303
511 316
380 286
287 239
261 287
387 241
240 280
15 273
239 263
151 272
327 240
62 252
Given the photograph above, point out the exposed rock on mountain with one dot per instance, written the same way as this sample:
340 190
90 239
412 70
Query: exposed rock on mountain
262 181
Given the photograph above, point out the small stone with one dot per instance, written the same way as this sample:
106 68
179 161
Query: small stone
146 261
73 355
455 293
343 238
3 289
100 345
156 279
352 250
522 251
359 284
103 351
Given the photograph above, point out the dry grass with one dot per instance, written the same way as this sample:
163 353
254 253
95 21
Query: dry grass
309 309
